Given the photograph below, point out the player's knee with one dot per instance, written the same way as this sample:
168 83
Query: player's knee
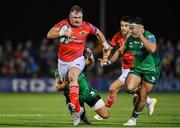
72 78
131 89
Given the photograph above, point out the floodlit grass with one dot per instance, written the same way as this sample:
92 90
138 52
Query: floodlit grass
49 110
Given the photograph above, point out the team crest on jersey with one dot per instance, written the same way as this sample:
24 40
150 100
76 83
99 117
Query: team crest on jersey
141 46
82 33
130 45
153 79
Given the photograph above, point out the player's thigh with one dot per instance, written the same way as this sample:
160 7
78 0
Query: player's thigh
63 68
151 78
116 85
132 82
147 86
74 72
76 68
78 63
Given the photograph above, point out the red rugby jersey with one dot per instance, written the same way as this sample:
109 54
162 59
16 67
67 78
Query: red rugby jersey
74 49
127 58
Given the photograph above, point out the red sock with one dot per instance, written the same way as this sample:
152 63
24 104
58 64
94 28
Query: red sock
110 101
77 109
74 97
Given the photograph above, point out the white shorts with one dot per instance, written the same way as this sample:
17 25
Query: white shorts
124 74
63 67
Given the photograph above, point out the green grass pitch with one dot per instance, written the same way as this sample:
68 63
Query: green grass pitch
49 110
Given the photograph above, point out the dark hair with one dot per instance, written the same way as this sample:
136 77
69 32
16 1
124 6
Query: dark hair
137 20
126 18
76 8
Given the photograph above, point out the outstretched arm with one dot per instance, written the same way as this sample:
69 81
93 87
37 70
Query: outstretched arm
102 39
114 58
106 47
116 55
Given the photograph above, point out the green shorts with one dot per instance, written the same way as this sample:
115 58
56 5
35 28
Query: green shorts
148 76
90 97
86 93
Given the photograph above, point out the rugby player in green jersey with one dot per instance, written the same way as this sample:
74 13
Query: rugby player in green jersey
127 61
86 93
145 71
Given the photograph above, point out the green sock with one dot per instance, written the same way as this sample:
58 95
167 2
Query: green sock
135 114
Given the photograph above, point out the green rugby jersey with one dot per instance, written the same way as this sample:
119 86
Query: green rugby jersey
143 59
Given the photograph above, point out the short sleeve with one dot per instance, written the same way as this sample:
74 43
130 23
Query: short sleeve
149 36
92 28
114 40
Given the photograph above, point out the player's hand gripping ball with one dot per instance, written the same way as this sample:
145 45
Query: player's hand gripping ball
65 33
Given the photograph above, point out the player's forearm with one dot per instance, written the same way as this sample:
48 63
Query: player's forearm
115 57
53 33
102 39
151 47
106 55
100 36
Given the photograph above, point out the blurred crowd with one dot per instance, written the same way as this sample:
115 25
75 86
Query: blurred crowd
32 59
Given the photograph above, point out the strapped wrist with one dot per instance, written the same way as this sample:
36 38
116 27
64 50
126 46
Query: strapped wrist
105 45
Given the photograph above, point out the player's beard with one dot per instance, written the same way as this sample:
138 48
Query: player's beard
77 24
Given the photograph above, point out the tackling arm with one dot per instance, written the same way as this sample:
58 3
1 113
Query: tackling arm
116 55
114 58
89 61
60 85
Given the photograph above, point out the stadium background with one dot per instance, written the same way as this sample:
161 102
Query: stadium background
28 60
26 53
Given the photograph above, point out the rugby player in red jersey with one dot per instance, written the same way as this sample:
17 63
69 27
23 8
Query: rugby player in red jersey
71 61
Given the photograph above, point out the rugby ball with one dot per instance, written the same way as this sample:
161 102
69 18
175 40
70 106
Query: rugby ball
63 38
